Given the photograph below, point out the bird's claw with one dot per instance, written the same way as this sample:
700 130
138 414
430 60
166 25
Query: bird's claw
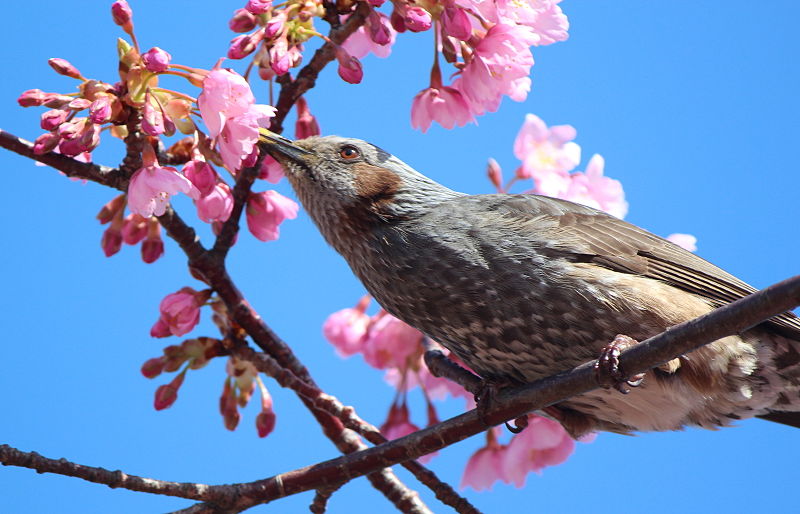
607 368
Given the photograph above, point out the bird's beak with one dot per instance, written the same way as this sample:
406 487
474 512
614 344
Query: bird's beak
278 146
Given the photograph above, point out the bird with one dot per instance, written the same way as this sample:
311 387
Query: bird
522 286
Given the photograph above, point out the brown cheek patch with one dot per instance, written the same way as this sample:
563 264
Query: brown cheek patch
374 184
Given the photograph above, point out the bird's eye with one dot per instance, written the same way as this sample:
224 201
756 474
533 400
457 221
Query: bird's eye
349 152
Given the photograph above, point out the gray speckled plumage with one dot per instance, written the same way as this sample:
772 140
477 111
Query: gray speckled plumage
521 287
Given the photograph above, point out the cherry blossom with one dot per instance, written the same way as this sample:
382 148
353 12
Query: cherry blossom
595 190
266 211
543 443
445 105
152 185
346 329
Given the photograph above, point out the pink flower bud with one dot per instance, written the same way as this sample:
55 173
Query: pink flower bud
455 22
101 110
265 421
376 3
306 125
275 25
152 117
47 142
53 118
153 245
242 21
111 209
123 15
168 393
217 205
63 67
78 136
202 175
156 60
379 28
258 6
495 174
32 98
349 67
153 367
279 59
181 310
79 104
266 211
111 242
134 229
397 21
161 329
243 45
417 19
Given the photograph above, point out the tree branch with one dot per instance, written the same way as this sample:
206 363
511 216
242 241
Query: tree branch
730 319
67 165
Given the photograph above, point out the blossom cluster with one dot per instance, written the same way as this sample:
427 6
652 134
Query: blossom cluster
488 43
136 103
548 156
179 314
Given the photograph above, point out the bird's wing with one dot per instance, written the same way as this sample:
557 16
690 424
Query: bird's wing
618 245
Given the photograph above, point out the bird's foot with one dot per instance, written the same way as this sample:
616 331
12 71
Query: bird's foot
607 368
484 398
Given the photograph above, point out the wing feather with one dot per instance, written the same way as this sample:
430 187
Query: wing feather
616 244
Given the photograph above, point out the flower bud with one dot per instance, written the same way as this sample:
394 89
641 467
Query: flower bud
417 19
243 45
134 229
397 21
111 209
242 21
153 245
123 15
168 393
153 367
156 60
47 142
79 104
258 6
306 125
349 67
32 98
53 118
101 109
379 28
275 25
495 174
111 243
202 175
63 67
455 22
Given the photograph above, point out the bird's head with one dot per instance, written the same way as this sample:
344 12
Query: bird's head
345 181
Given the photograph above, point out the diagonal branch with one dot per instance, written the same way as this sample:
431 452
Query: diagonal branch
730 319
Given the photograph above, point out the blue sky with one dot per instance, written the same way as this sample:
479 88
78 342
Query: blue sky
694 106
